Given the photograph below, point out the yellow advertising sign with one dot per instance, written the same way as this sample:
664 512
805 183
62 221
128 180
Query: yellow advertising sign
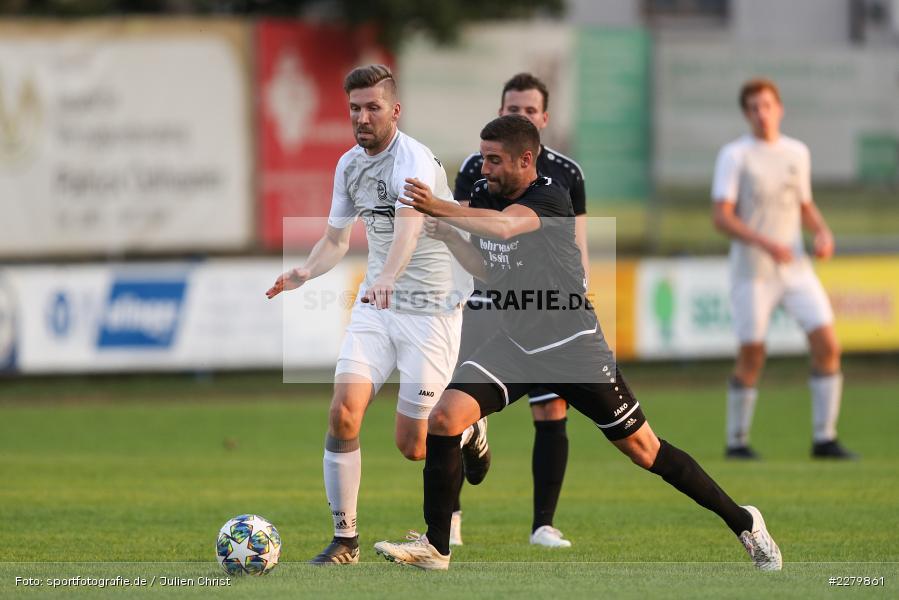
864 292
611 291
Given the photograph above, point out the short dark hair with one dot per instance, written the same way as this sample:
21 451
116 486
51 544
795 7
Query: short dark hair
754 86
515 132
523 82
369 76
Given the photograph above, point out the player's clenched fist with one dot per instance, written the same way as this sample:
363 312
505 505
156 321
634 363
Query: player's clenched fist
437 229
290 280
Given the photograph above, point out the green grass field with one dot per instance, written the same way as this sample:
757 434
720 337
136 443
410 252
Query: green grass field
134 476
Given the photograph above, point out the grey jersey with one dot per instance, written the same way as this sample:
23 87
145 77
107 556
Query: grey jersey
769 183
369 187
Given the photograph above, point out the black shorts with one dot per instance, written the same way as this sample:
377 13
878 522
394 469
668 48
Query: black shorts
478 326
498 373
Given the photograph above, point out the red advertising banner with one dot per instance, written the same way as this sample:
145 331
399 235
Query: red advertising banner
303 120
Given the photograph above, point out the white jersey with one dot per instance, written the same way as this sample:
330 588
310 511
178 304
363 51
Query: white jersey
369 187
769 183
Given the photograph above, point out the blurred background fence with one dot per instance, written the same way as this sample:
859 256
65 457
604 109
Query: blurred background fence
149 152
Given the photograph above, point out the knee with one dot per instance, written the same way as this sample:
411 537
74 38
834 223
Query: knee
439 421
830 350
750 361
554 410
642 457
344 424
826 352
642 452
411 449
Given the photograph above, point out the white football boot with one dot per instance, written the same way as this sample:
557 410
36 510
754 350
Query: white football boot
760 545
456 529
549 537
417 552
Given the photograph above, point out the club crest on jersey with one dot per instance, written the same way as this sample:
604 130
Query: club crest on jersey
379 219
382 190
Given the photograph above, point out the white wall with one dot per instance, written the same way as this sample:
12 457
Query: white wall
790 22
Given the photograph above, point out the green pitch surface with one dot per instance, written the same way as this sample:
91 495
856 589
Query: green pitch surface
133 477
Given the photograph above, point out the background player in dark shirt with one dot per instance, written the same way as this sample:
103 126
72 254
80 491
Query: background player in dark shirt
526 95
496 373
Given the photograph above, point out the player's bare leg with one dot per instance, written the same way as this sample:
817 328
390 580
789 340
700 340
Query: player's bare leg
826 386
741 398
410 436
342 464
548 463
681 471
454 412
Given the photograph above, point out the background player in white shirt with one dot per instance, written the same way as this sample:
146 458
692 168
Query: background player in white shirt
408 273
762 200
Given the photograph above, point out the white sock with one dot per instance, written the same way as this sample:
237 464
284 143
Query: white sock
466 435
343 473
827 391
740 409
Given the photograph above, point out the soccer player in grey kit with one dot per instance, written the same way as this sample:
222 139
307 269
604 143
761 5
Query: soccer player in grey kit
762 199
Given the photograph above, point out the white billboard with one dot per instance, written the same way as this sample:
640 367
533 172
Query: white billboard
449 93
124 136
172 316
683 310
835 99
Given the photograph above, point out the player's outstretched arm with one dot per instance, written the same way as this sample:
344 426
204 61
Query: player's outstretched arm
462 250
515 220
727 222
406 231
326 253
813 221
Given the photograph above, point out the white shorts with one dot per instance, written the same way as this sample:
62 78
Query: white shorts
794 287
423 347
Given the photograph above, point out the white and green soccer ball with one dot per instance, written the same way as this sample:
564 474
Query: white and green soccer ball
248 545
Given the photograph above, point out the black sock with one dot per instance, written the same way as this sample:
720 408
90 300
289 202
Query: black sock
457 505
548 462
680 470
442 479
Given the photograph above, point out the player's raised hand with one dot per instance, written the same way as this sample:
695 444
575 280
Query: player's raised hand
418 195
437 229
290 280
824 244
380 292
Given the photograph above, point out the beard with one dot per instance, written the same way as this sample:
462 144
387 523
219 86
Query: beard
372 141
498 187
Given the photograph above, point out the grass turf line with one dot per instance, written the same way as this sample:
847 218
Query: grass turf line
147 481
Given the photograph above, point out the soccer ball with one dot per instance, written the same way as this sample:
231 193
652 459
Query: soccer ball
248 545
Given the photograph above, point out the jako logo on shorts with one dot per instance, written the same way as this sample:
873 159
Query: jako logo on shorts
141 314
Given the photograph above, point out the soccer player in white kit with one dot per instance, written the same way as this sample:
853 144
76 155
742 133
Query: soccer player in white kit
762 200
408 315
